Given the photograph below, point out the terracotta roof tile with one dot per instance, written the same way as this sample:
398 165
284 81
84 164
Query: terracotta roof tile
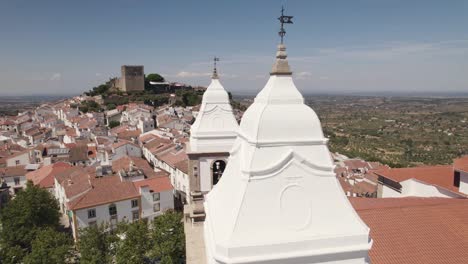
44 177
105 190
160 184
416 230
13 171
442 176
75 181
461 164
123 163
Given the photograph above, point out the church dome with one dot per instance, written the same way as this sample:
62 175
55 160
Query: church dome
280 105
215 127
215 93
279 184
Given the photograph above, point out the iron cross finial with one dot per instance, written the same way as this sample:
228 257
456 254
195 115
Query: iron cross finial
284 20
215 72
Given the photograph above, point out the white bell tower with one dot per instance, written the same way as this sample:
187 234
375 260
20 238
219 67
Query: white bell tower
211 137
279 200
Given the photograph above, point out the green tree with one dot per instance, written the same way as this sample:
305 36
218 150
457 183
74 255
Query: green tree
89 106
50 247
95 245
191 98
114 123
154 77
110 106
32 210
168 238
134 243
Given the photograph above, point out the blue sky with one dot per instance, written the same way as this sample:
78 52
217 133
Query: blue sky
64 47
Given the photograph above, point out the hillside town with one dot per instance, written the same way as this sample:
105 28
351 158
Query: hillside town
142 170
164 158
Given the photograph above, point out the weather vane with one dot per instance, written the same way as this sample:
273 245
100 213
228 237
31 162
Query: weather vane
284 20
215 72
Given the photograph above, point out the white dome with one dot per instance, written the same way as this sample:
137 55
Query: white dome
215 127
278 200
279 114
215 93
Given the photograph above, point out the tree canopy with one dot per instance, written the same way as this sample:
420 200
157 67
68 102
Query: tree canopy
134 244
168 238
114 123
50 247
154 77
95 245
22 220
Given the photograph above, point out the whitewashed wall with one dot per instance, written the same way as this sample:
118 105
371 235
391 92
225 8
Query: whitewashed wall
166 201
10 181
463 182
127 150
124 213
416 188
23 160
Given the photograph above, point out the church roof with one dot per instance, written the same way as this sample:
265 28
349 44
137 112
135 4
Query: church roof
215 127
279 184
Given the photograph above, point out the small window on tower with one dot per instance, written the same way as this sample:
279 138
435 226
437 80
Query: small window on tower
456 180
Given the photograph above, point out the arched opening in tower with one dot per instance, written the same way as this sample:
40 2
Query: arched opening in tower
217 170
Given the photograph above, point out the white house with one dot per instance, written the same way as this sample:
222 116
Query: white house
156 196
14 177
145 125
107 200
19 158
433 181
125 148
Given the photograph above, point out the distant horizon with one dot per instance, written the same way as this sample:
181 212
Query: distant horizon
68 47
428 94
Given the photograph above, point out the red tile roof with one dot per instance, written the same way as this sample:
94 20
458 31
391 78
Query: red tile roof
182 166
75 181
354 164
415 230
123 163
442 176
44 177
13 171
105 190
129 134
159 184
461 164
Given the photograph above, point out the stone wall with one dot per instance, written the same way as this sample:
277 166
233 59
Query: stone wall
133 78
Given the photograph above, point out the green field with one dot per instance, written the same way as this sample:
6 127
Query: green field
399 132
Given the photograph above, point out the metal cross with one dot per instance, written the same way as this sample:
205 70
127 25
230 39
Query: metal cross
215 73
215 59
284 20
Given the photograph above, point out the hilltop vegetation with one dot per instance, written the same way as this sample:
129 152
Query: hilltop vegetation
400 132
154 95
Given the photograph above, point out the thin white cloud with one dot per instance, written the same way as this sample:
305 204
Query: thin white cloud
389 50
186 74
303 75
56 77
